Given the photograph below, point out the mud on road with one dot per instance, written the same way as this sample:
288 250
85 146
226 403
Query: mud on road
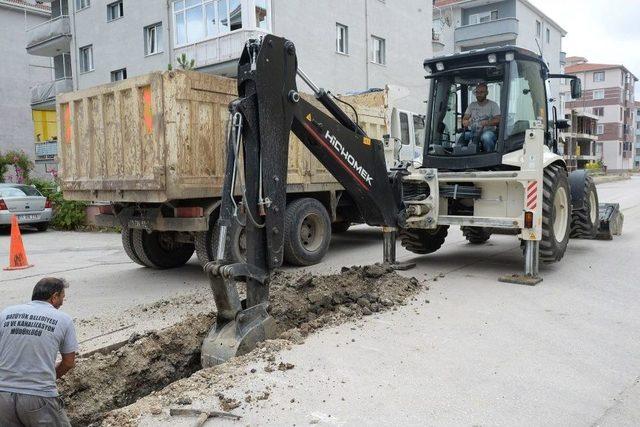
164 365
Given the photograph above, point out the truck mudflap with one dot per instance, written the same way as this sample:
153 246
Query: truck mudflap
611 220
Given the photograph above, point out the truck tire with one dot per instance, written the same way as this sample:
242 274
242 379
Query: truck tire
307 232
127 245
421 241
476 235
585 221
206 243
160 249
556 214
340 227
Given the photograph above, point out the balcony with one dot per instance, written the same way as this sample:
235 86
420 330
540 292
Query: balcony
218 54
43 95
49 38
499 30
437 41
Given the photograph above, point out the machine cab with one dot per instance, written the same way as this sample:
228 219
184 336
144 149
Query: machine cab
480 105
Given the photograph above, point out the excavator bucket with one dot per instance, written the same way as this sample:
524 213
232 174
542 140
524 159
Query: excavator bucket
238 336
238 328
611 220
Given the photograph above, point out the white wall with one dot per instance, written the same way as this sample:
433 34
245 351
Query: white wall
18 73
405 25
527 18
119 43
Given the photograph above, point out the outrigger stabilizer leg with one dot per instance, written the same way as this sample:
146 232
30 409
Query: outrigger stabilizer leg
531 264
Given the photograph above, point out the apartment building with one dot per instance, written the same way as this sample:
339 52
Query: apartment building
343 46
18 74
462 25
636 161
608 93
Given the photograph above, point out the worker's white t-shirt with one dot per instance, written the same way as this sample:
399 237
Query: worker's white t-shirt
31 336
478 112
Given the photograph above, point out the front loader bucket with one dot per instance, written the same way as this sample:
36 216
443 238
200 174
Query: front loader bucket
611 220
239 336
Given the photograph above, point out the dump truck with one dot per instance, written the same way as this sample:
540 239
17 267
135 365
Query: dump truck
151 151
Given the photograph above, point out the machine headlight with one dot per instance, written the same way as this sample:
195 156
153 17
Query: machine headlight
440 66
428 69
492 58
509 56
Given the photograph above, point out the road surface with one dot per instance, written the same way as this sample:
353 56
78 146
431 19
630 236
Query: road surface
480 352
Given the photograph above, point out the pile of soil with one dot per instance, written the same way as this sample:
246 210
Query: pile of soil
300 303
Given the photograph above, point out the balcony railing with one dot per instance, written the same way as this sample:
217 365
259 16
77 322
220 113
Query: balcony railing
224 48
50 38
486 32
45 93
46 149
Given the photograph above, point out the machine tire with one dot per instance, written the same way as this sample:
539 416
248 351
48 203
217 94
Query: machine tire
159 250
127 244
421 241
307 232
555 192
206 242
585 221
340 227
476 235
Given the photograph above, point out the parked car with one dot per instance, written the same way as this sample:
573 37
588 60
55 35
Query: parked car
27 203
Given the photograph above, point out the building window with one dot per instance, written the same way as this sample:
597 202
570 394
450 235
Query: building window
538 29
621 113
598 76
598 111
120 74
82 4
479 18
599 129
379 54
598 94
115 10
262 14
548 35
86 59
196 20
62 66
153 39
342 39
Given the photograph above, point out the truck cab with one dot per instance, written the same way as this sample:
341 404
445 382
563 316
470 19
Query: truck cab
407 131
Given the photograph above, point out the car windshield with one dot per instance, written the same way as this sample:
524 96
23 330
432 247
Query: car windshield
19 191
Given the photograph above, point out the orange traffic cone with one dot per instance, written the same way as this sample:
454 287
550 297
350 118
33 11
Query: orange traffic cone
17 255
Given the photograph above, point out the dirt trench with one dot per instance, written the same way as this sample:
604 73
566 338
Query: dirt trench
300 303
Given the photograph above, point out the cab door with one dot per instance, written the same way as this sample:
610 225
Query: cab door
406 136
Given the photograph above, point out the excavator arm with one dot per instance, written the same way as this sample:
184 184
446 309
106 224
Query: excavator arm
268 109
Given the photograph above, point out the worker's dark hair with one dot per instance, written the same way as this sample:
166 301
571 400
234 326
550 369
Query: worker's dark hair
45 288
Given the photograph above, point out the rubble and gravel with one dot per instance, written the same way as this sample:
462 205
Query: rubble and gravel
161 369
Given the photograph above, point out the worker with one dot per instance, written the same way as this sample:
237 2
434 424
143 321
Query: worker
31 335
480 120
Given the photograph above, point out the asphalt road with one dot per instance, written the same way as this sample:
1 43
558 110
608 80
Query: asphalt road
480 352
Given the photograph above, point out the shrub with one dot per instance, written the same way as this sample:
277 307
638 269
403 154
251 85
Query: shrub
17 162
67 214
